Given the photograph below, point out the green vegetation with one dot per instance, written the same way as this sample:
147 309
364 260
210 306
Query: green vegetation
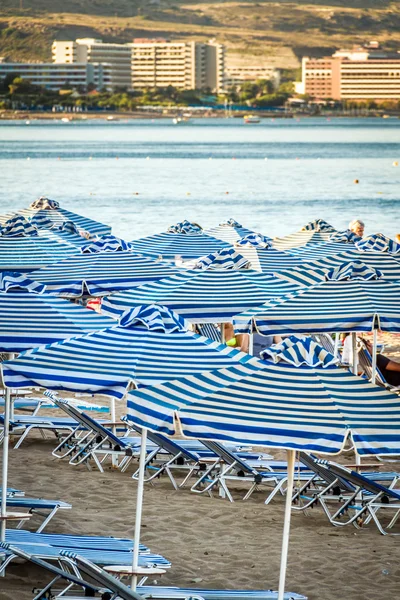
277 31
16 92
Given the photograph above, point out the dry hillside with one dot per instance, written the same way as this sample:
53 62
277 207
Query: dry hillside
277 31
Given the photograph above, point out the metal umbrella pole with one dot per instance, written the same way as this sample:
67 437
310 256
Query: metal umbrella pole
4 474
139 504
286 524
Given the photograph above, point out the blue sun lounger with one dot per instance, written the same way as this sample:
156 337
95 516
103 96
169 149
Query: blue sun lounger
89 589
98 557
231 466
98 439
101 578
23 424
366 498
37 506
64 540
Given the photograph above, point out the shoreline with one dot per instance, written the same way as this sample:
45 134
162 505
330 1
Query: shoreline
114 116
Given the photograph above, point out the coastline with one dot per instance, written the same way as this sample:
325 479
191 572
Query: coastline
115 116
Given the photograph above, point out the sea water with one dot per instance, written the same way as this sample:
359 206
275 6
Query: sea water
143 175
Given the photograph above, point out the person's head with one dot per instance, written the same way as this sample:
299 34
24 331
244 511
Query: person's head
357 226
398 238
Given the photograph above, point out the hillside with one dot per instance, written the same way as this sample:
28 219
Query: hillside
277 32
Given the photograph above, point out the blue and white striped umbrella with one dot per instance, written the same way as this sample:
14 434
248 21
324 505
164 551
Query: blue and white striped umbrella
378 243
299 351
171 245
303 277
345 236
66 231
268 259
347 305
353 270
17 226
30 319
102 273
52 210
301 238
155 318
229 231
274 405
388 263
144 349
30 248
106 243
203 296
185 227
11 280
318 225
227 258
321 250
255 240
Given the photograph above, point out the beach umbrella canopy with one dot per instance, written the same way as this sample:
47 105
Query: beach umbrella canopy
298 352
30 317
387 263
52 211
188 245
339 241
354 297
211 296
318 225
66 230
106 243
24 247
315 409
229 231
101 273
377 243
322 250
266 259
227 259
275 405
185 227
299 239
149 345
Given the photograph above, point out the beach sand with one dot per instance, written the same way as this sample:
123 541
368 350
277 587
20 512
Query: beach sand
210 542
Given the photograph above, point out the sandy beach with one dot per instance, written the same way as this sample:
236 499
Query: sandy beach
210 542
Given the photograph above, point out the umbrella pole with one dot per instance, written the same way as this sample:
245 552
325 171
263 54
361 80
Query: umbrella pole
139 504
4 475
336 350
286 524
113 427
374 352
355 354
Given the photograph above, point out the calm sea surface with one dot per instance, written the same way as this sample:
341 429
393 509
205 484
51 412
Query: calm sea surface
141 176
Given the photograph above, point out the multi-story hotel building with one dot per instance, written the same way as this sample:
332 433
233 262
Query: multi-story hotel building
58 76
184 65
238 74
360 74
88 50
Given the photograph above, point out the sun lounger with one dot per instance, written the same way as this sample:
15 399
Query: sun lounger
364 502
97 556
37 506
365 363
65 540
57 573
23 425
174 592
231 466
101 578
97 439
187 456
